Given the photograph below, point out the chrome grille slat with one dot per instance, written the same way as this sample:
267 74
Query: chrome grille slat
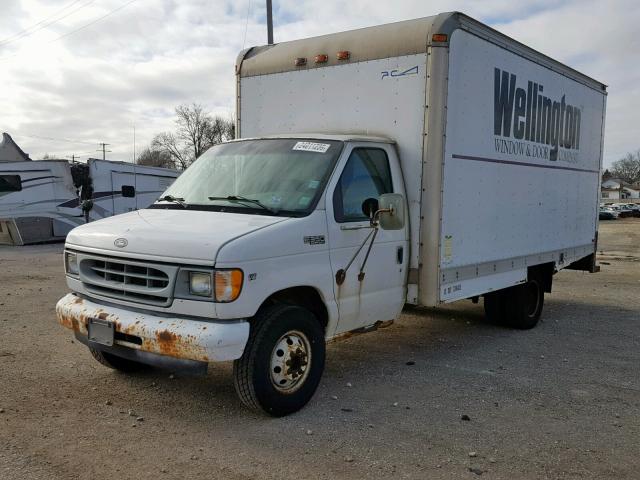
129 274
128 280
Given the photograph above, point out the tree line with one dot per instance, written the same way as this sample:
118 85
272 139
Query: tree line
626 169
196 131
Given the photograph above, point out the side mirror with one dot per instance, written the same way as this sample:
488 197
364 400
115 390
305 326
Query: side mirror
128 191
370 207
391 211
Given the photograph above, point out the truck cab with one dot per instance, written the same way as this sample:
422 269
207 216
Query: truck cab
266 231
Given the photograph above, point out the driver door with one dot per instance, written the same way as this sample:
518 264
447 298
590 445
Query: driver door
366 171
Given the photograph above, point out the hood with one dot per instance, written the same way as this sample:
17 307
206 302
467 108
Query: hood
180 236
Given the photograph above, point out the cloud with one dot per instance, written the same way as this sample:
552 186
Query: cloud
134 66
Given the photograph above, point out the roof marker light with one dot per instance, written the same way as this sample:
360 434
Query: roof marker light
343 55
322 58
439 37
301 62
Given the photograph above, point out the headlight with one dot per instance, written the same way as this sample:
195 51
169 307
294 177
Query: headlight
221 286
200 284
228 284
71 263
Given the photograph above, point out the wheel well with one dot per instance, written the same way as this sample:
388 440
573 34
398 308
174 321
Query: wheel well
544 273
307 297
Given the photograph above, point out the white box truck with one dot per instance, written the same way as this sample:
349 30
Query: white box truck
419 162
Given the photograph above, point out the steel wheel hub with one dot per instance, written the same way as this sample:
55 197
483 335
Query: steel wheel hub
290 361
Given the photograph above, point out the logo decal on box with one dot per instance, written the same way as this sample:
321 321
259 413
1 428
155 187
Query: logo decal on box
397 73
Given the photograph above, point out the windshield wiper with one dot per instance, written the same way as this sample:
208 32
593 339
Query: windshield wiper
239 199
171 198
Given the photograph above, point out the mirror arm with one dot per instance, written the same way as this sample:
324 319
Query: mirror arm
375 219
366 257
342 273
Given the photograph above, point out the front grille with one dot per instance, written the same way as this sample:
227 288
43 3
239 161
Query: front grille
128 280
127 274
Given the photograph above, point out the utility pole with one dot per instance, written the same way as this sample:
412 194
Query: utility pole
104 150
134 144
269 24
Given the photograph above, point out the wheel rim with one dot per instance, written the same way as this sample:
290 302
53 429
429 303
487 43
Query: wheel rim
533 298
290 361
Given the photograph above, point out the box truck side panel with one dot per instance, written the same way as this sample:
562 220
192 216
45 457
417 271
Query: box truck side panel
521 168
382 97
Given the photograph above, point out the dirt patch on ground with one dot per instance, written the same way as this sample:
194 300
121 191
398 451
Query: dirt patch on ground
440 394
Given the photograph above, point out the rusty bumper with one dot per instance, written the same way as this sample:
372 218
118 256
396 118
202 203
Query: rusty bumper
181 338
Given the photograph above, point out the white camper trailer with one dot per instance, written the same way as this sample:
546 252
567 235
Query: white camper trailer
35 200
43 200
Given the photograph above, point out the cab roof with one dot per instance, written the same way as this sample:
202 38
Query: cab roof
324 136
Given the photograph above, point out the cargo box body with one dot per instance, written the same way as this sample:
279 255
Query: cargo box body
500 146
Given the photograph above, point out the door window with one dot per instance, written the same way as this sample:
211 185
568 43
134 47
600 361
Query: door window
366 175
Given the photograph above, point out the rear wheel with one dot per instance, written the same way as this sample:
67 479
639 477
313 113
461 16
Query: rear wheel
117 363
494 307
282 362
523 305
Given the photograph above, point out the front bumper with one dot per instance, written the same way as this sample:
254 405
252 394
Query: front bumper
181 338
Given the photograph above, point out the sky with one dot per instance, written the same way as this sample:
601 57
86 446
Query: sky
75 73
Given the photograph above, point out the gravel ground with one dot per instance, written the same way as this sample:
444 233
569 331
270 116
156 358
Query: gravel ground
440 394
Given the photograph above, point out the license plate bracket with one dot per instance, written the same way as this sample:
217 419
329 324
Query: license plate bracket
101 331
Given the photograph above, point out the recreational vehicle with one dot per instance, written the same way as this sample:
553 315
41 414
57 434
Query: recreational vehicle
43 200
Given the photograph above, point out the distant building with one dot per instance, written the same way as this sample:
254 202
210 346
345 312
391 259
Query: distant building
10 151
616 189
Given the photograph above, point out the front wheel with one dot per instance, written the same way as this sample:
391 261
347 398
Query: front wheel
282 362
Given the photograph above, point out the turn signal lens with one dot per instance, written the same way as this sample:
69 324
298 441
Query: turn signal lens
228 284
439 37
343 55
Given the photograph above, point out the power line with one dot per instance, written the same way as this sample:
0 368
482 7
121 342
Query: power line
40 25
66 153
80 28
246 25
94 22
68 140
22 32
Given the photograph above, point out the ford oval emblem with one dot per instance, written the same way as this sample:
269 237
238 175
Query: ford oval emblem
120 242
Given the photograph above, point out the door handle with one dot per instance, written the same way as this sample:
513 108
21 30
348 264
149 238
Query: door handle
399 255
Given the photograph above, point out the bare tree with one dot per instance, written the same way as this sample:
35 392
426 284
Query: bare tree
219 130
627 168
193 123
196 132
169 144
155 158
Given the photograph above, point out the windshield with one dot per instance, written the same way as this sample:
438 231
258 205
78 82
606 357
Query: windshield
270 176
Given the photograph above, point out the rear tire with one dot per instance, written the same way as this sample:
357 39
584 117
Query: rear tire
282 362
523 304
494 310
117 363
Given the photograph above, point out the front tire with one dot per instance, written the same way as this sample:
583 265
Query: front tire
282 362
